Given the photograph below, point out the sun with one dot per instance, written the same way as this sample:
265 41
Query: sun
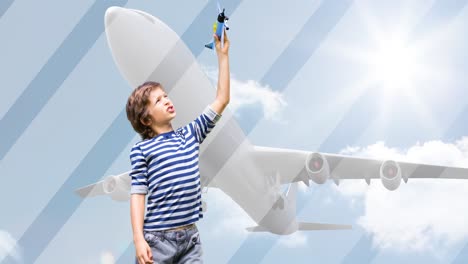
406 67
394 64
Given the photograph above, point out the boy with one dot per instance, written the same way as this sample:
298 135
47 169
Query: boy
165 166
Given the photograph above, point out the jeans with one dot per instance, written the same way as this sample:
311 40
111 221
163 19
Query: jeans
180 246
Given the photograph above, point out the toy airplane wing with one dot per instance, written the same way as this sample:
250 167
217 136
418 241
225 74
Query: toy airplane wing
302 166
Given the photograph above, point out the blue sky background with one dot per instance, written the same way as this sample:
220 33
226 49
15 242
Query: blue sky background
61 124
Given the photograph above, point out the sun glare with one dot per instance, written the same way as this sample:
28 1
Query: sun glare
394 64
405 66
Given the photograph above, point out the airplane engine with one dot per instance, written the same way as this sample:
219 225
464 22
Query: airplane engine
390 174
115 187
317 168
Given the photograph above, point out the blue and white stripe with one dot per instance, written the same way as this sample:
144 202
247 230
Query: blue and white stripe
165 168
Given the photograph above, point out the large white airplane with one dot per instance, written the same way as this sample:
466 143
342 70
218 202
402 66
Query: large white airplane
144 48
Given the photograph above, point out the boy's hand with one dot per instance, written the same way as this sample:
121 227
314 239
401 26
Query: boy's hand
143 252
225 49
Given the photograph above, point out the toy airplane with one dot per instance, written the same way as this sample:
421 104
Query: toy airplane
218 28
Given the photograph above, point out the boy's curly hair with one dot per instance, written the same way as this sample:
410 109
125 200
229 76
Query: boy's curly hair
137 112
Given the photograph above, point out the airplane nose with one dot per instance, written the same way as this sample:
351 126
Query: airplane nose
140 42
111 13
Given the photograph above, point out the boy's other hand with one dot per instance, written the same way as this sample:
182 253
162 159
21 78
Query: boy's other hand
225 49
143 252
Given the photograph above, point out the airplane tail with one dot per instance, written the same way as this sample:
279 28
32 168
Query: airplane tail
210 45
291 194
320 226
305 226
257 229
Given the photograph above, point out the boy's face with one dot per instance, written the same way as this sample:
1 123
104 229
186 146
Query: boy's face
160 108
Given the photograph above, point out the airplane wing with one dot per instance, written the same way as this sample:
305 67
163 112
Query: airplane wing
117 186
297 165
91 190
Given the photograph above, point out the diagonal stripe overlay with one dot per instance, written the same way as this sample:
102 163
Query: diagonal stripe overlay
354 122
295 56
53 74
4 5
462 256
114 140
128 256
50 220
434 17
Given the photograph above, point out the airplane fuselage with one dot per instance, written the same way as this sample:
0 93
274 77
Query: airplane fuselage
238 175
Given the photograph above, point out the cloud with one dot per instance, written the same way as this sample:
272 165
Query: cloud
421 216
107 258
248 93
295 240
8 247
233 220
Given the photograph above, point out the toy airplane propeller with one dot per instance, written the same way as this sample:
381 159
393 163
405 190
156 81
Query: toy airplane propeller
218 28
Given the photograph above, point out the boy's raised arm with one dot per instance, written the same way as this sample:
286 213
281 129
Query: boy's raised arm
223 89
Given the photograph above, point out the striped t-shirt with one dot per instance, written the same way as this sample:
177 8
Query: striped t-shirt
165 168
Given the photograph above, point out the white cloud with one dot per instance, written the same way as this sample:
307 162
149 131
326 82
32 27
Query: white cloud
8 247
233 220
423 215
295 240
107 258
245 93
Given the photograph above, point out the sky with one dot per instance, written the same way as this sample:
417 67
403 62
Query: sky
377 79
